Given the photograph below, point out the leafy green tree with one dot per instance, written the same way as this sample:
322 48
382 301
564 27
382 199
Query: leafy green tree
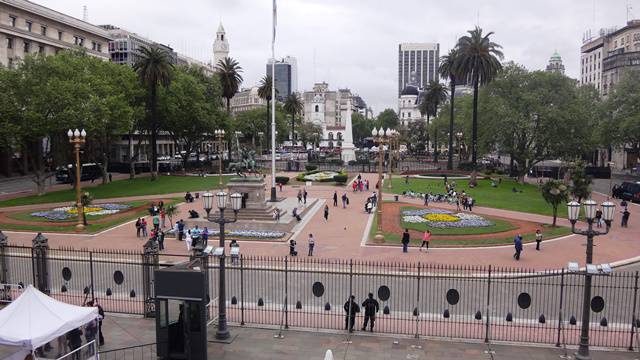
479 61
309 133
555 193
536 116
229 70
435 95
416 136
264 91
154 69
580 182
447 70
621 124
387 119
293 105
360 128
254 121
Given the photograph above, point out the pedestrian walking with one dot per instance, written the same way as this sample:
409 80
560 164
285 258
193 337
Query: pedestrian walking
369 206
351 308
426 199
371 307
538 239
625 218
406 238
355 186
344 200
144 227
312 244
518 246
110 177
100 318
299 196
138 227
426 237
74 338
335 198
598 218
205 235
326 213
280 185
366 184
470 203
160 237
304 195
292 248
163 216
156 222
188 239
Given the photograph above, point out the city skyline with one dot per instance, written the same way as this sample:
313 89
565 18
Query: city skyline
358 48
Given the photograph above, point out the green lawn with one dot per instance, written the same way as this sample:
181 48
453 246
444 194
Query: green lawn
122 188
501 197
91 228
500 226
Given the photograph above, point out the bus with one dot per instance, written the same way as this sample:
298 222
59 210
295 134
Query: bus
66 174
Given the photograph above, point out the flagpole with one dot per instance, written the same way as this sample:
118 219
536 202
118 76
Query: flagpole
273 107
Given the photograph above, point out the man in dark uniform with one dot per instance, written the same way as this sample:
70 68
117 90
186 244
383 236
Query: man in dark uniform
371 307
351 308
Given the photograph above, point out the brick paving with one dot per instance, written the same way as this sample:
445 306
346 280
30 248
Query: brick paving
342 236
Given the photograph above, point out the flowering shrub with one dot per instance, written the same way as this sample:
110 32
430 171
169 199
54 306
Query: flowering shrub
442 219
69 212
254 234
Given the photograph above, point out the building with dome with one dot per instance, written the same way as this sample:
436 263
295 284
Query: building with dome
409 102
331 110
555 64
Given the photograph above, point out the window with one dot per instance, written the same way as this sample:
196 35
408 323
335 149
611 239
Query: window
317 108
43 30
77 40
41 49
12 20
94 46
29 25
99 47
9 43
59 35
402 115
27 46
409 114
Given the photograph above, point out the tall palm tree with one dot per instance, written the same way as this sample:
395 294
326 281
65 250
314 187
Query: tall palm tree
264 91
154 68
229 70
479 61
447 69
435 95
293 105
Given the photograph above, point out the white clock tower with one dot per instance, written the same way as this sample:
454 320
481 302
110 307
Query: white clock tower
220 46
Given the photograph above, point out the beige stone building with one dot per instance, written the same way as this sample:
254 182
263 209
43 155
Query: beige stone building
247 99
29 28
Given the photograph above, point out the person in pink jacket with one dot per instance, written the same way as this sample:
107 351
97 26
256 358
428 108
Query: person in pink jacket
425 240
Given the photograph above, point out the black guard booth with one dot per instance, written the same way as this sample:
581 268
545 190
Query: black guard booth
181 293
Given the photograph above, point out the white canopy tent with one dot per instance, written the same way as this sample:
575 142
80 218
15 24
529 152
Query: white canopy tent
35 319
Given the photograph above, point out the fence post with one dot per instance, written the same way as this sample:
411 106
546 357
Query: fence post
486 331
633 319
416 335
4 267
560 309
241 289
149 264
39 257
286 292
93 297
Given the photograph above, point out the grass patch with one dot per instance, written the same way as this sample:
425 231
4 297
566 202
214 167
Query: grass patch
500 226
501 197
123 188
92 227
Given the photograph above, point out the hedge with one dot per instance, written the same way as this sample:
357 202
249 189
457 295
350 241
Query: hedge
340 178
284 180
310 167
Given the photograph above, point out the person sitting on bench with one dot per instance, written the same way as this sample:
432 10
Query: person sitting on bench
193 214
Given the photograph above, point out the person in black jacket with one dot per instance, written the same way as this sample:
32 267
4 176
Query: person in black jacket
74 337
351 308
371 307
406 238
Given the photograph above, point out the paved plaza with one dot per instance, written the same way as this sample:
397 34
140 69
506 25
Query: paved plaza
343 236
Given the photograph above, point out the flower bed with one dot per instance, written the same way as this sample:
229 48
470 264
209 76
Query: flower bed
438 218
69 212
249 234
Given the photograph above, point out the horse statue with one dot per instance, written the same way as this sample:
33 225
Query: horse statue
246 164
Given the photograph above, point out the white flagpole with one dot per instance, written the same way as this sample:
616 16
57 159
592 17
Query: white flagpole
273 107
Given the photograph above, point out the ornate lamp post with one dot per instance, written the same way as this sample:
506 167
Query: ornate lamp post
219 134
608 210
459 139
381 137
77 139
393 148
222 197
260 135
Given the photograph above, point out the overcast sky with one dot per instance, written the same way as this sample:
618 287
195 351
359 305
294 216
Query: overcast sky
354 43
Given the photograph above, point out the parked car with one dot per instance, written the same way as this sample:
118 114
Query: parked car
629 191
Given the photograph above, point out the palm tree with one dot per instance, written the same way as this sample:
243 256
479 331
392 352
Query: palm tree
264 91
435 95
447 69
229 71
293 105
479 61
153 68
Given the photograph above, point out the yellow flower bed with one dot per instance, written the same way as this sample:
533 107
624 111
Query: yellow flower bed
441 218
86 210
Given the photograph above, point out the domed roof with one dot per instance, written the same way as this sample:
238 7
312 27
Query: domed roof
410 90
556 56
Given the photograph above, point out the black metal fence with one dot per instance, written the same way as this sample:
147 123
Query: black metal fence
363 167
422 300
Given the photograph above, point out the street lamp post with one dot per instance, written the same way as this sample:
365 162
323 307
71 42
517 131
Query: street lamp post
382 137
459 139
608 210
260 135
222 332
219 133
77 138
393 137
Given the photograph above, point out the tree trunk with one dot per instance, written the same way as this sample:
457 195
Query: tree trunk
451 117
474 124
555 215
154 133
293 129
